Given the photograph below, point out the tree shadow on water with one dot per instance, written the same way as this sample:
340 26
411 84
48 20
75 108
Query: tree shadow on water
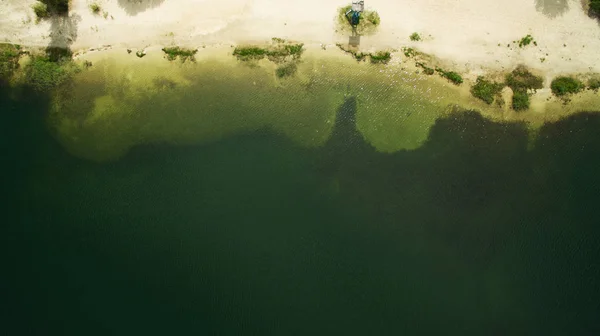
134 7
552 8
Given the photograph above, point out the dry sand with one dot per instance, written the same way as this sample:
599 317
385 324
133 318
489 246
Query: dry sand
465 33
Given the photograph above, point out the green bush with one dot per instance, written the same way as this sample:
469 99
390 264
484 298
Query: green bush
486 90
415 37
520 100
522 79
41 10
562 86
450 75
184 54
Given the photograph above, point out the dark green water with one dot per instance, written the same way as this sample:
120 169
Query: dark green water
472 234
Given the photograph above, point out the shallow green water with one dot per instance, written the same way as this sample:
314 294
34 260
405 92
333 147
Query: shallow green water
255 233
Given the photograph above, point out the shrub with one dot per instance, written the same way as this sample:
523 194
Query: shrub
41 10
522 79
450 75
562 86
184 54
486 90
276 53
520 100
415 37
381 57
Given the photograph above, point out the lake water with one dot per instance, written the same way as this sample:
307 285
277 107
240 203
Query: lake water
480 229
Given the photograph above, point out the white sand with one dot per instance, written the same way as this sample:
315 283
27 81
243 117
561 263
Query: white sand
465 33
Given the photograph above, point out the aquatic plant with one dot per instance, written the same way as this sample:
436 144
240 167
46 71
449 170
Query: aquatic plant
450 75
368 23
184 54
286 70
41 10
520 100
44 74
485 89
9 59
278 52
563 85
381 57
427 70
415 37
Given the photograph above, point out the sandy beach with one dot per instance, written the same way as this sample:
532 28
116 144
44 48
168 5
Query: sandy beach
471 35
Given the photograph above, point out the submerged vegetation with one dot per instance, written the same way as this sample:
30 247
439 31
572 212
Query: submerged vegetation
368 23
562 86
282 52
427 70
184 54
486 90
380 57
9 60
522 81
44 73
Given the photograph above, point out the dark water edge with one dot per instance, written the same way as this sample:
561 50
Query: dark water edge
471 234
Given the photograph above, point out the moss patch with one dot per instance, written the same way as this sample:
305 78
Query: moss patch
562 86
172 53
486 90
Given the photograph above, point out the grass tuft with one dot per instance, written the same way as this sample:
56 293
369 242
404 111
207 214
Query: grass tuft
525 41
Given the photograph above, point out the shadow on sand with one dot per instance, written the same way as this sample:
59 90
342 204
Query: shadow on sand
552 8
